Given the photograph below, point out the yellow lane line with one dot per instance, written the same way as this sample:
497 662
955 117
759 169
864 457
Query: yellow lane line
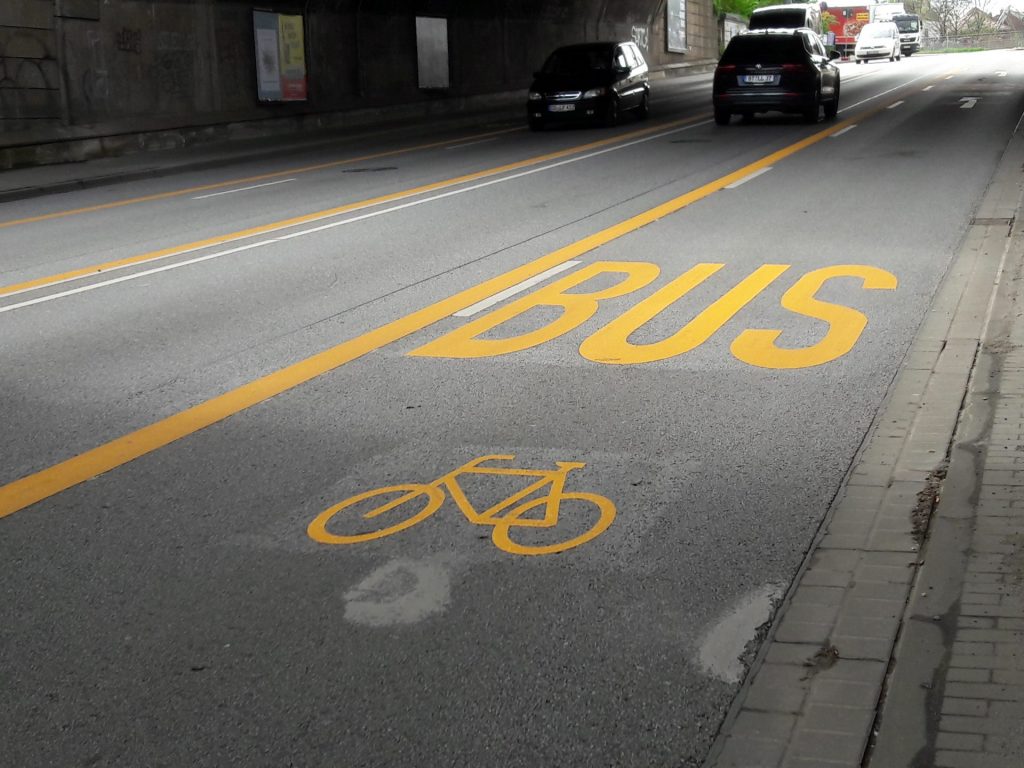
331 212
245 180
48 482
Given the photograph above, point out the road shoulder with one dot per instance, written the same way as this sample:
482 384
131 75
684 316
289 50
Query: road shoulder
812 696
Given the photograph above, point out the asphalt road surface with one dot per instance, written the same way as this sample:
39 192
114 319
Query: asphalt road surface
475 448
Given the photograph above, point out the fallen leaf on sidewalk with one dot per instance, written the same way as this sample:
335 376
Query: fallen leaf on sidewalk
824 658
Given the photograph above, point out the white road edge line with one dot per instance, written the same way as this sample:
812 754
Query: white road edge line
745 179
472 143
895 104
312 230
483 184
155 270
886 93
480 306
847 129
243 189
861 76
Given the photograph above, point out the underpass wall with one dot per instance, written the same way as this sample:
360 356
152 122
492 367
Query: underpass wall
111 76
30 88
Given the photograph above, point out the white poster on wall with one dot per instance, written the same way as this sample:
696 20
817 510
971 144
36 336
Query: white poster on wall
268 64
432 52
675 25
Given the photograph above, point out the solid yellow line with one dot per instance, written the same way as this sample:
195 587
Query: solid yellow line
247 179
319 215
41 485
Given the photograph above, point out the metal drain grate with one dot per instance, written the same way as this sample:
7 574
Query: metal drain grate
995 222
983 222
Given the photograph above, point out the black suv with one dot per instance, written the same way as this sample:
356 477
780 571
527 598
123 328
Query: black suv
782 70
589 82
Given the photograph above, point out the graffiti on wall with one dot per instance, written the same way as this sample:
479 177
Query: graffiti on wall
174 64
129 40
640 36
26 67
21 62
95 75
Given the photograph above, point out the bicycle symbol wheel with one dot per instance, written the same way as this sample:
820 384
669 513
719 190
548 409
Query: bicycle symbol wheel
605 516
317 530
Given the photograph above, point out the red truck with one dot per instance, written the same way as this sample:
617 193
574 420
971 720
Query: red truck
850 16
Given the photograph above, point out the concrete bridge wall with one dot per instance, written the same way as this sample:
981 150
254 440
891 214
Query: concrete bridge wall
75 69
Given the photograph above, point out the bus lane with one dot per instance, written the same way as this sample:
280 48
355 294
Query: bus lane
509 523
577 528
24 492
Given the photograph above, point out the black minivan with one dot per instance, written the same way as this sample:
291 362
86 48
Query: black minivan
589 82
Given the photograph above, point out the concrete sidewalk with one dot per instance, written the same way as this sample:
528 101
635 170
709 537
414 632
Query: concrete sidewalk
900 641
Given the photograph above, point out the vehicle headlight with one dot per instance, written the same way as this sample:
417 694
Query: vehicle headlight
535 96
593 93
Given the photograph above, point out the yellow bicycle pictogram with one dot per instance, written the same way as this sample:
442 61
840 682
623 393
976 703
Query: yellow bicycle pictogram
504 516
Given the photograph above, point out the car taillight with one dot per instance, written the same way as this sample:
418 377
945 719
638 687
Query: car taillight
726 67
794 67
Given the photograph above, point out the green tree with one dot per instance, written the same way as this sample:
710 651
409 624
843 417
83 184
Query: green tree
740 7
827 20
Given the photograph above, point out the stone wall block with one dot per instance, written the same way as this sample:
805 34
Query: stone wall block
30 14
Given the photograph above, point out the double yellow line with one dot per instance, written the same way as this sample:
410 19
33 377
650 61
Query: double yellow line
248 179
41 485
97 269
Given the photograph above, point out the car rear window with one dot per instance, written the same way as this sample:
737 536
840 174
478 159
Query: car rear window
871 31
763 49
786 18
570 61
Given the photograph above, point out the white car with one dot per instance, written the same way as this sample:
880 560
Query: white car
878 40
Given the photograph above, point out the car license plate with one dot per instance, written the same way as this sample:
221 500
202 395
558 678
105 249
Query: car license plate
561 107
758 79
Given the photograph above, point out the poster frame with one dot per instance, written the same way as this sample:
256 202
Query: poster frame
675 26
279 47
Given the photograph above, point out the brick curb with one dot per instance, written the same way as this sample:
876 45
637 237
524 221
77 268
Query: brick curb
812 695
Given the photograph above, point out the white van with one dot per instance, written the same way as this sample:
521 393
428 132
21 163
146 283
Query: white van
787 17
878 40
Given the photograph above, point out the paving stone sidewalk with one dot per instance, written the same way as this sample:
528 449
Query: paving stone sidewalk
901 643
972 691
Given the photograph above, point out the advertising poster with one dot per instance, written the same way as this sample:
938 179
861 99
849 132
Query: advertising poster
675 24
293 58
432 52
280 56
